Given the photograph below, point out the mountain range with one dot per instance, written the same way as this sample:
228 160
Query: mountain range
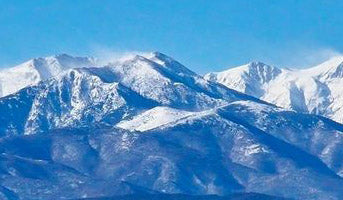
147 125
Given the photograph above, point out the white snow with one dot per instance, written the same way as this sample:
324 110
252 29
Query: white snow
153 118
35 70
316 90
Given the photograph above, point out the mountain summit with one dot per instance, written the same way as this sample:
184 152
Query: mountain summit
38 69
317 90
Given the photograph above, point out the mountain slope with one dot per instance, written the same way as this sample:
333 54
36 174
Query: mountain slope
315 90
217 152
148 125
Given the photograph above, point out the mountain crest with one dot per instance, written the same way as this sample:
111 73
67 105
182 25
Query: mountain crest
262 72
247 78
38 69
316 90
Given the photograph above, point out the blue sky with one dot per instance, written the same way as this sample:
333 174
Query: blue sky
203 35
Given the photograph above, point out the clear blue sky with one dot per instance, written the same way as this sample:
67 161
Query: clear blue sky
204 35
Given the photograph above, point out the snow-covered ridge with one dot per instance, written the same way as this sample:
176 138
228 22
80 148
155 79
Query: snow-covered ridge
109 94
316 90
38 69
30 73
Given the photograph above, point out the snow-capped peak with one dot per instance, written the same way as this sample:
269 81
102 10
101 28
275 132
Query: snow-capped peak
53 65
37 69
256 69
247 78
261 72
315 90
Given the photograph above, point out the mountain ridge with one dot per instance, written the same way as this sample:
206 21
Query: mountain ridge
313 90
38 69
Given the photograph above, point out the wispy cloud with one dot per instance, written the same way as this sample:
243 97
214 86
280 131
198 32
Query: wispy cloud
107 55
310 57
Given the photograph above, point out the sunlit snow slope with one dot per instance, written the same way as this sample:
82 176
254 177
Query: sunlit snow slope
317 90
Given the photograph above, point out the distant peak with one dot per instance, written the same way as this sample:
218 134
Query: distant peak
255 70
50 66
